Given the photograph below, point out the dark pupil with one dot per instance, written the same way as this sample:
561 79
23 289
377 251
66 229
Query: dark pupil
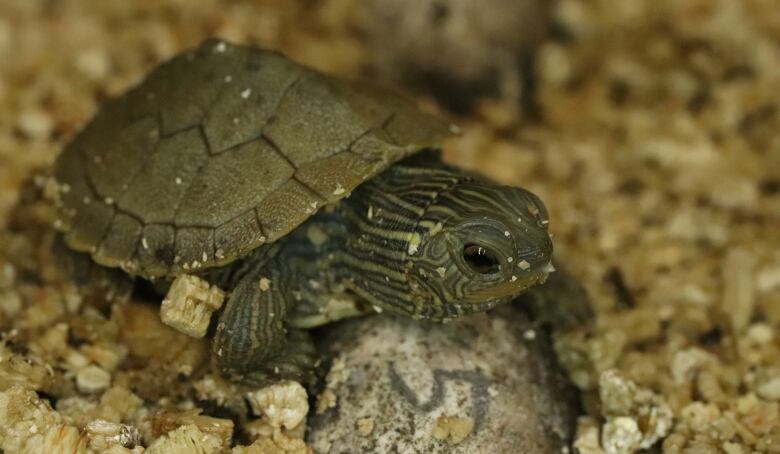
479 259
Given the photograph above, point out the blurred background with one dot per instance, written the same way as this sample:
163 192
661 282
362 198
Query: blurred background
649 128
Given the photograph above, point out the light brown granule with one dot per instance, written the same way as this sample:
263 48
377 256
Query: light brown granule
35 124
106 356
337 374
279 444
189 304
164 422
92 379
118 404
636 417
276 439
365 426
76 410
185 440
587 439
686 363
104 435
30 425
28 372
282 405
738 288
621 435
452 428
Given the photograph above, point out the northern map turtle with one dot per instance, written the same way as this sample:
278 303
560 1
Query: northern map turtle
291 189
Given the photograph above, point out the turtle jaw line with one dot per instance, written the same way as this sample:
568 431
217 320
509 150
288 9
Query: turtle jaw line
443 307
468 308
450 311
482 301
510 289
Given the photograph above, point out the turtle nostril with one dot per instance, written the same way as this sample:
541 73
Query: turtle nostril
536 251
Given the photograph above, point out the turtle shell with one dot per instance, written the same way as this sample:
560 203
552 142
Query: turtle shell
220 150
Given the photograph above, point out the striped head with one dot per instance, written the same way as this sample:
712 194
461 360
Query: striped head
480 244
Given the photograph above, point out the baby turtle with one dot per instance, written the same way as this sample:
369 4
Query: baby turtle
235 164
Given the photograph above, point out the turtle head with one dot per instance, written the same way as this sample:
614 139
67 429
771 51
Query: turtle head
483 244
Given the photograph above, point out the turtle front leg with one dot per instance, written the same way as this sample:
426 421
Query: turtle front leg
253 343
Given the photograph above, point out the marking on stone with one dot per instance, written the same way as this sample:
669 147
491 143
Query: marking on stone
479 391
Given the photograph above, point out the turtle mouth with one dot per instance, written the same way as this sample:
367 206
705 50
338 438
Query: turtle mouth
511 288
453 311
482 300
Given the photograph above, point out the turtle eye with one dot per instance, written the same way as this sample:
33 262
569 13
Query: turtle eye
479 259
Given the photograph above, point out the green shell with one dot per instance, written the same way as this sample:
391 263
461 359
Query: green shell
220 150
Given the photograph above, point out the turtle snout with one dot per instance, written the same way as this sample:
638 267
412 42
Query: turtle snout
535 252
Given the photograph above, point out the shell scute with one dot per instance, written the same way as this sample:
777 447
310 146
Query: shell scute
237 237
249 100
233 182
160 186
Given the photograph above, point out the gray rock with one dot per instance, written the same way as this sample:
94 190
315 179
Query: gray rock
488 383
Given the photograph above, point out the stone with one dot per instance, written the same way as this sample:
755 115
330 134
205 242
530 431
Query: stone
476 385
